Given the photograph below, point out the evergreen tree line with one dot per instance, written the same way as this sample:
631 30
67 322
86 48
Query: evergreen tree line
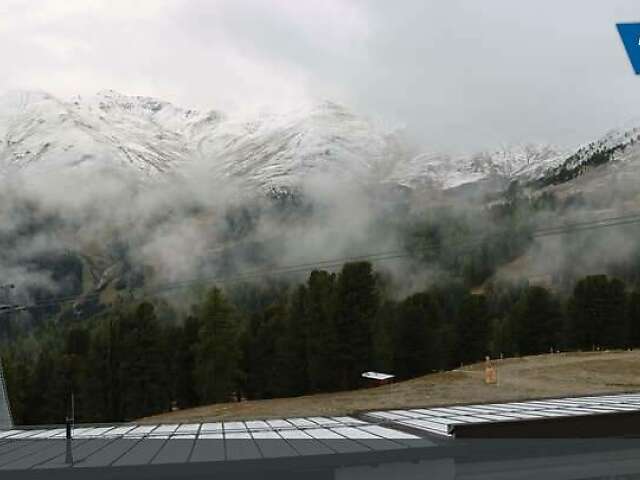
138 360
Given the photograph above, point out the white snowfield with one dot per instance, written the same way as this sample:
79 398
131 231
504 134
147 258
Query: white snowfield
144 138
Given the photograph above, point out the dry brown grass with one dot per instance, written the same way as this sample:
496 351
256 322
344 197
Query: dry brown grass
542 376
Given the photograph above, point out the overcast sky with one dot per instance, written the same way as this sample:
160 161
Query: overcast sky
455 74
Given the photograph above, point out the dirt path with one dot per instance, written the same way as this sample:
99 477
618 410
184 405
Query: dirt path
543 376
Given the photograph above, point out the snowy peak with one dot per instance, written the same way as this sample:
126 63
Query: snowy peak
162 113
521 162
282 149
150 136
615 146
145 138
109 99
107 131
16 101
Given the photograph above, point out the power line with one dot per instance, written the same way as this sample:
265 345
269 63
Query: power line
609 222
298 268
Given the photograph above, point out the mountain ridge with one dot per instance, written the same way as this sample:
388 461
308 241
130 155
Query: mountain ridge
146 138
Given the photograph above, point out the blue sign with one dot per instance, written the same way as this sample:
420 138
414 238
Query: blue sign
630 34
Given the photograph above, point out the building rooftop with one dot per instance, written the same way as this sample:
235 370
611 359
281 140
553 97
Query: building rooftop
195 450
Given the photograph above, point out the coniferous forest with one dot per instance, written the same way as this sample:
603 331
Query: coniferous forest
138 359
129 352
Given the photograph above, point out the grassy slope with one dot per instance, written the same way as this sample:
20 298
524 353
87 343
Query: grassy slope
532 377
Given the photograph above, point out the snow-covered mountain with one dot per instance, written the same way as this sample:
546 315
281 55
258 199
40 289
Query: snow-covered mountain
616 148
275 150
146 138
525 163
43 133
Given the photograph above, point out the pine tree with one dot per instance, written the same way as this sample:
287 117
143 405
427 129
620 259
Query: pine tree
538 317
598 308
217 350
186 393
413 338
322 335
473 329
76 370
357 303
49 391
142 372
296 343
385 323
267 372
102 387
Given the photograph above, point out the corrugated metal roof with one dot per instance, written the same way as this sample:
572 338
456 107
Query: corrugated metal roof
189 444
443 421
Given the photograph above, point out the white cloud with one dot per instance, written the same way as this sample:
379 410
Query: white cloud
459 74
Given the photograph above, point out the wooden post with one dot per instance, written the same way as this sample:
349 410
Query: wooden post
490 372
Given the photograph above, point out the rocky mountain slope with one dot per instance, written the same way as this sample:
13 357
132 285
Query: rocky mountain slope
522 162
145 138
149 137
